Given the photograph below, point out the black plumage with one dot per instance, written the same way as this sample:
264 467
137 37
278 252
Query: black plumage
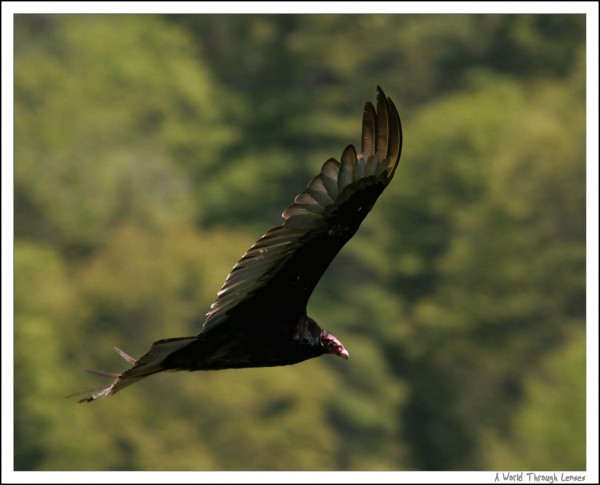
259 317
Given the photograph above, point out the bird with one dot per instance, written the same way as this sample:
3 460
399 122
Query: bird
259 318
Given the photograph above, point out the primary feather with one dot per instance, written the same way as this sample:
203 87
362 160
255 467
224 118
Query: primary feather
259 317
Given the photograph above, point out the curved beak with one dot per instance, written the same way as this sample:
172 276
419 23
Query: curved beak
333 345
343 354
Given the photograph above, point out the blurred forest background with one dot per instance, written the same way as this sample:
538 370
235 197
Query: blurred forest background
151 151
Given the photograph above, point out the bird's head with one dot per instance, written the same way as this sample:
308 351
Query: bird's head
310 335
332 345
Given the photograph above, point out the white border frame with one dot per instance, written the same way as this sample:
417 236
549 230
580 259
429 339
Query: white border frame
9 9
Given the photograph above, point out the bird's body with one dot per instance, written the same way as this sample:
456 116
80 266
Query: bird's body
233 348
259 318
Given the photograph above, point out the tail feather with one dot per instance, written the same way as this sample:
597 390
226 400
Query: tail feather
148 364
128 358
102 373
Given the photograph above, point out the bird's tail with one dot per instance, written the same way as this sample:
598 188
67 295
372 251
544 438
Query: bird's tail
150 363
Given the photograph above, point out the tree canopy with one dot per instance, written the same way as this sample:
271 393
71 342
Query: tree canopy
152 150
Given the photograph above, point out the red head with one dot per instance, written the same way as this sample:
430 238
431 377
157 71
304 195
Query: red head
332 345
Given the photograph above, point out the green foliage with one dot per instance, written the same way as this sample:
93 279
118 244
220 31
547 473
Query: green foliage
554 394
151 151
97 132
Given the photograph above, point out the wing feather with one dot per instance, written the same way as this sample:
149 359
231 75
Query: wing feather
345 176
285 264
316 188
329 176
382 134
369 129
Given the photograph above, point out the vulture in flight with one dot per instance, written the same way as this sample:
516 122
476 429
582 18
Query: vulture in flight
259 317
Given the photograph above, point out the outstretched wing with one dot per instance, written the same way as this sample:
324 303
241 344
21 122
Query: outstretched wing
283 267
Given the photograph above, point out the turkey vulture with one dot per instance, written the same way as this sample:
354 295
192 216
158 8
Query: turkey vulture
259 317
